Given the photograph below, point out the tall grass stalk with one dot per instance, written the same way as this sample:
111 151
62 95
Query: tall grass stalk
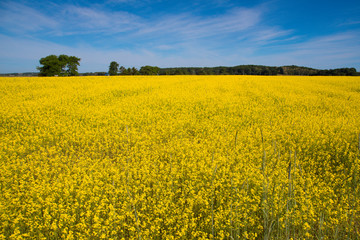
266 227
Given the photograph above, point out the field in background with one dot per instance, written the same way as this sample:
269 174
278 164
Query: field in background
180 157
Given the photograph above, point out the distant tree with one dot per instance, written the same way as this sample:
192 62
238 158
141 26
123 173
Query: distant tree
134 71
351 72
72 66
59 66
63 59
113 68
122 70
149 70
238 70
51 66
179 71
200 71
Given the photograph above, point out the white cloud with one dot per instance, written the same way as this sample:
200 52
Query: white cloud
66 20
348 23
238 36
188 26
75 20
20 18
84 19
131 1
165 47
338 50
330 51
269 34
29 51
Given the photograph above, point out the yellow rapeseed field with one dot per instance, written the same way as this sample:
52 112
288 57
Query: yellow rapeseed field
180 157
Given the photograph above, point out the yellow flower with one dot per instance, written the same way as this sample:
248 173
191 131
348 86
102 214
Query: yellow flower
179 157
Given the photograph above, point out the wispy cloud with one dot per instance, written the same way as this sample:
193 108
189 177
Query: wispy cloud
349 23
141 2
346 43
72 20
189 26
19 18
270 34
66 20
85 19
329 51
99 35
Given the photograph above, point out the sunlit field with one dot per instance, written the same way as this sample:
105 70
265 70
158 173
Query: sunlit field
180 157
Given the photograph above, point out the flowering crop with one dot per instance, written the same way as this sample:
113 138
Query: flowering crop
180 157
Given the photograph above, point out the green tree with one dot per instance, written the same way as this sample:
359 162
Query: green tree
113 68
134 71
61 65
122 70
51 66
149 70
63 59
72 66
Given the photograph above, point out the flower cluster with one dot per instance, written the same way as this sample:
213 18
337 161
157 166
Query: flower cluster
180 157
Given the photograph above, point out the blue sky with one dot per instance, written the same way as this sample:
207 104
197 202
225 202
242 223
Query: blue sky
319 34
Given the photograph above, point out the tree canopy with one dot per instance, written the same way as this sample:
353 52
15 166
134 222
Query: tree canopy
113 68
61 65
257 70
149 70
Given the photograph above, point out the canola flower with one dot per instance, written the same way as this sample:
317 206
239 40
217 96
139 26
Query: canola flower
180 157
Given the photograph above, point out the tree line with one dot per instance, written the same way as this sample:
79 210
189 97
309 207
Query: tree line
64 65
258 70
116 69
